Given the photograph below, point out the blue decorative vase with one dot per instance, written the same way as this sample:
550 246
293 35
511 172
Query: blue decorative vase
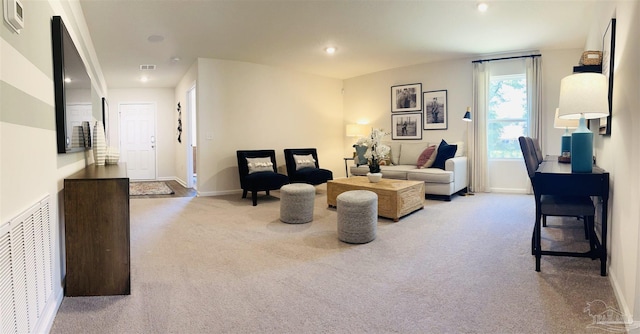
582 148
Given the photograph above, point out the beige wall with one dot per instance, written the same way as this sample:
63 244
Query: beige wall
367 98
248 106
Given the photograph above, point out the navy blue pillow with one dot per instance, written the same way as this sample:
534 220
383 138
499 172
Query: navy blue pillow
445 151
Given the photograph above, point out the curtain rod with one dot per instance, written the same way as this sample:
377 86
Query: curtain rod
505 58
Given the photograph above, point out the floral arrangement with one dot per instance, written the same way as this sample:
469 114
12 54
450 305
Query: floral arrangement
376 151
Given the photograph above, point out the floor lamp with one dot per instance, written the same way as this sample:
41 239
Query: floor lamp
467 118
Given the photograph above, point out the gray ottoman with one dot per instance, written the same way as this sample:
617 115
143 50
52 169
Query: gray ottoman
296 203
357 216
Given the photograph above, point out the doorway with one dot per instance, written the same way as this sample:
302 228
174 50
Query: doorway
138 139
192 147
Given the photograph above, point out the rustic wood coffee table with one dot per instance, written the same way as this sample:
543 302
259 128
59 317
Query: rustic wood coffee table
396 198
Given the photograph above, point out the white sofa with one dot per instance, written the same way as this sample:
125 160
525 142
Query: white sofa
438 183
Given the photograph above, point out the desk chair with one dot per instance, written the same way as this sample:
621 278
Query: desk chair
536 148
550 205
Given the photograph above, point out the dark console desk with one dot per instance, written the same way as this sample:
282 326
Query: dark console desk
555 178
96 211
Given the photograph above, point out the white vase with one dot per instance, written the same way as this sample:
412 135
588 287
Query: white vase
112 156
374 177
99 144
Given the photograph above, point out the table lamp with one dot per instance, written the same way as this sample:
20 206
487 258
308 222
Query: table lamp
566 124
583 96
356 130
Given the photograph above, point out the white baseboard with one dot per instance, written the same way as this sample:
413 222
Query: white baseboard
45 322
622 302
219 193
508 191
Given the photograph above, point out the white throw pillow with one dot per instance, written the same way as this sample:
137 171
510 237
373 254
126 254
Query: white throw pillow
460 152
259 165
304 161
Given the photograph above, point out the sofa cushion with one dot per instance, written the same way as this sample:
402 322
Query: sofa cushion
445 151
430 175
409 152
425 156
398 172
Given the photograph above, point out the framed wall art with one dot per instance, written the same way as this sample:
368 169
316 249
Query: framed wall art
608 55
406 126
435 110
406 98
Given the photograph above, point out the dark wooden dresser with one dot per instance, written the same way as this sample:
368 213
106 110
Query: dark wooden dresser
97 235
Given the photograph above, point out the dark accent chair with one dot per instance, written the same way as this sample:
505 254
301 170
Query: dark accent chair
311 175
260 180
552 205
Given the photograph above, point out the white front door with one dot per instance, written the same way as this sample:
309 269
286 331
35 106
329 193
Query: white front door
138 139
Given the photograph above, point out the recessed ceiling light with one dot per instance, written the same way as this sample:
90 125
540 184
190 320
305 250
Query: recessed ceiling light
155 38
67 79
482 7
330 50
144 79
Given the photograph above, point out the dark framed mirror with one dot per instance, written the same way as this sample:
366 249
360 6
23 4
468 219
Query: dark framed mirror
72 89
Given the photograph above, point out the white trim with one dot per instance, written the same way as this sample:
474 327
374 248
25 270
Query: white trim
189 135
508 191
45 322
220 193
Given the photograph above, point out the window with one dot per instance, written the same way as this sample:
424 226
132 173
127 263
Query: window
508 116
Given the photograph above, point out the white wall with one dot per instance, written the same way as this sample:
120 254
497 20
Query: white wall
166 123
619 154
243 106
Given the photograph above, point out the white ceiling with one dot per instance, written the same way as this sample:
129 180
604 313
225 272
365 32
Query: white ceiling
371 35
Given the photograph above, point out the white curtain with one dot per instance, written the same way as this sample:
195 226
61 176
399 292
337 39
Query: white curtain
534 98
479 173
479 167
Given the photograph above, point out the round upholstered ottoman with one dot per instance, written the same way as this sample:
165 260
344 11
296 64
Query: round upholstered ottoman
296 203
357 216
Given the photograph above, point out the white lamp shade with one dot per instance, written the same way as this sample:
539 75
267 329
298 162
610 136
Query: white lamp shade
563 123
584 94
356 130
